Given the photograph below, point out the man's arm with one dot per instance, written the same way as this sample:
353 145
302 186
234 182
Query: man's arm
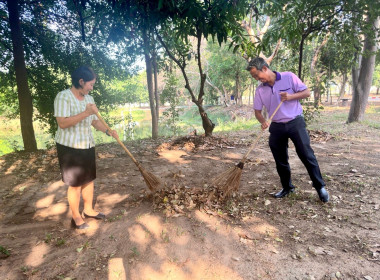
259 116
295 96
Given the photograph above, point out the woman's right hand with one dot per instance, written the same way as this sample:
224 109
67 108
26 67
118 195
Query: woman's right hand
91 109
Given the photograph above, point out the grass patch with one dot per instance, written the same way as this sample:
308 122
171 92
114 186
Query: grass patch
332 120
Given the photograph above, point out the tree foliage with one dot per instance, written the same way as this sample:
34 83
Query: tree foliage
56 42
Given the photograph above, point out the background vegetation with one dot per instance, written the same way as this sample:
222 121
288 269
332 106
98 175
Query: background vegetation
175 55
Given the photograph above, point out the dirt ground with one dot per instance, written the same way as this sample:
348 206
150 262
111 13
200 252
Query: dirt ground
184 231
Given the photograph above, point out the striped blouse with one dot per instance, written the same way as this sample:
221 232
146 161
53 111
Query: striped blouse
80 135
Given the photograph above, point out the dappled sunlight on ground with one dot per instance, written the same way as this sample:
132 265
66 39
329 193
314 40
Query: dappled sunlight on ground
233 155
55 186
37 254
53 211
116 270
139 235
153 224
179 233
13 167
106 201
174 156
45 201
200 268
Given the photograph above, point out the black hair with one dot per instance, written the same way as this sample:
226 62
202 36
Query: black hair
84 72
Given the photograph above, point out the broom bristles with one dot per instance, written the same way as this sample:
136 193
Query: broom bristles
151 181
228 181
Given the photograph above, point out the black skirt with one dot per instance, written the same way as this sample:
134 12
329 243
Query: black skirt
77 165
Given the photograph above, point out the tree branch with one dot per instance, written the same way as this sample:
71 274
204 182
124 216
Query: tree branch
180 65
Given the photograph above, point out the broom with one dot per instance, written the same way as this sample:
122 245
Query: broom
229 180
151 181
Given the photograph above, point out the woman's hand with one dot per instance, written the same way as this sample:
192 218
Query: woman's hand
91 109
112 133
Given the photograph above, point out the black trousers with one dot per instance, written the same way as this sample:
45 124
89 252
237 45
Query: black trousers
278 142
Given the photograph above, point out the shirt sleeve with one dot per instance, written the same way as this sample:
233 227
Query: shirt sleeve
297 84
257 102
61 106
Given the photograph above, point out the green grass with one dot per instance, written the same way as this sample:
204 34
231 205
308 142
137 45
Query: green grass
191 120
332 120
11 140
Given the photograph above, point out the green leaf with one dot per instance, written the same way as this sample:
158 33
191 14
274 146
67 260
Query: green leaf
160 4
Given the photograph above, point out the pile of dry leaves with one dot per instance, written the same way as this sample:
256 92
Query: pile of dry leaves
319 136
194 142
177 201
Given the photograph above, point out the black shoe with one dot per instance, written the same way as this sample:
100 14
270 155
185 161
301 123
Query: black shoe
323 194
283 193
82 226
100 216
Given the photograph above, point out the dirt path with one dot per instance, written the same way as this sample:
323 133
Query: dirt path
176 234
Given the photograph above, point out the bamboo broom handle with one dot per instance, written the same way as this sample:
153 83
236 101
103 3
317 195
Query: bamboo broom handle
261 133
118 140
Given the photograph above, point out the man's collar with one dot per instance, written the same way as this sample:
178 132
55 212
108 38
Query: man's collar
278 77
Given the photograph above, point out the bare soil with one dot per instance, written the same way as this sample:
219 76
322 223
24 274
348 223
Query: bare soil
185 231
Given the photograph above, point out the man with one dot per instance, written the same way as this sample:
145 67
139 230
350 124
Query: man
287 123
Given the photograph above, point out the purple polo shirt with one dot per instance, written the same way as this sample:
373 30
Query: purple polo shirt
269 97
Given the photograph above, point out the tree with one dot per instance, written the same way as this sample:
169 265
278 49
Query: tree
24 95
298 21
376 78
362 76
133 23
226 70
55 42
198 20
317 73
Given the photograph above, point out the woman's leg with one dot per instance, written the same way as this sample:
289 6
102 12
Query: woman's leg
73 196
88 196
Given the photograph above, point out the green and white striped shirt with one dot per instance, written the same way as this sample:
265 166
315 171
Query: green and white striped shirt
80 135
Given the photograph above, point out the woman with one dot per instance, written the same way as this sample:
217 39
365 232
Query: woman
75 111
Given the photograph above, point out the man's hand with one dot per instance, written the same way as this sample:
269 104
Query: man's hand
285 96
264 125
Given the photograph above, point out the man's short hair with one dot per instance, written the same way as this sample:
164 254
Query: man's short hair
258 63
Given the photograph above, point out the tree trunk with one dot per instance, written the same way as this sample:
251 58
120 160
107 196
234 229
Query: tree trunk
343 87
317 96
300 58
149 79
207 124
361 84
238 97
24 95
240 92
155 71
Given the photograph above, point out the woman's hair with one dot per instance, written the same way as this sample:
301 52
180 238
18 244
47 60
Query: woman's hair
84 72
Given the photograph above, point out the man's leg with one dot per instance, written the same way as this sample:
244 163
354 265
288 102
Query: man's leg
298 134
278 143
